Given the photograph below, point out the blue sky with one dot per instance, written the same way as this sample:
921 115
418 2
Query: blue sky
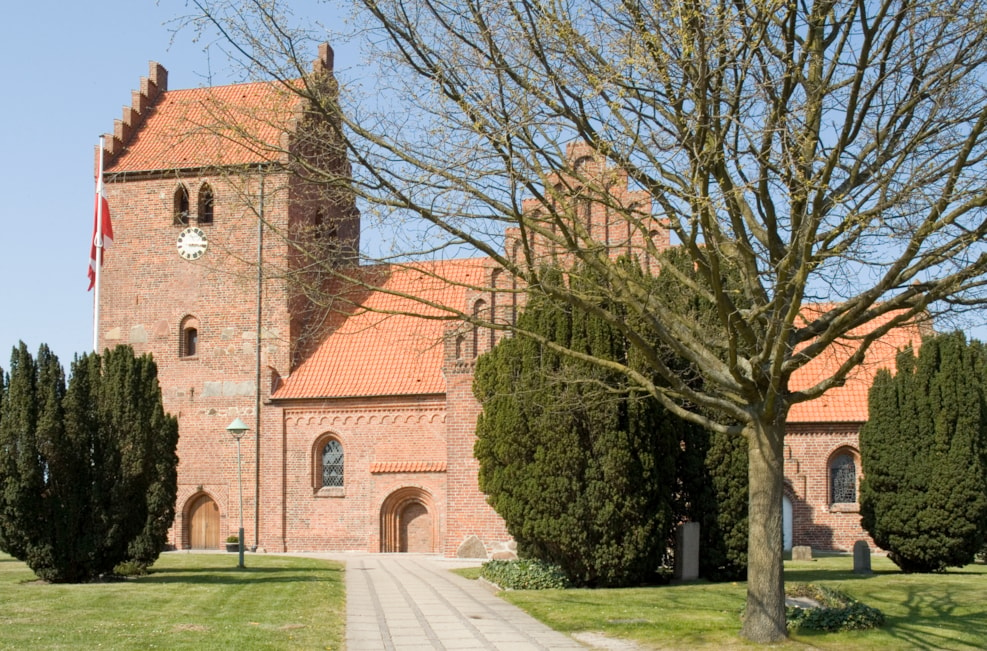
68 68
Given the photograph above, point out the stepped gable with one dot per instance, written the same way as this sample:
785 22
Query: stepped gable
848 403
218 126
142 103
376 346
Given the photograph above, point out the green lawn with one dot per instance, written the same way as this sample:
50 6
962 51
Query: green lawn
189 601
201 601
938 611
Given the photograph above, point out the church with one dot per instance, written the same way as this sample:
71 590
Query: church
360 416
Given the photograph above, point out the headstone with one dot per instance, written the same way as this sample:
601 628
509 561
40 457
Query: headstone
861 557
801 553
687 551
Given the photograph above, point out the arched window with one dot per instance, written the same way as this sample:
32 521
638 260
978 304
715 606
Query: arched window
843 478
584 211
579 167
332 464
515 256
495 309
188 344
479 313
181 206
205 204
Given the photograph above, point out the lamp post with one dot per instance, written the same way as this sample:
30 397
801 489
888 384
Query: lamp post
237 429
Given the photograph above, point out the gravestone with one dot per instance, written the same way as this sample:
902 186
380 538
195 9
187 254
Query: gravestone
801 553
687 551
861 557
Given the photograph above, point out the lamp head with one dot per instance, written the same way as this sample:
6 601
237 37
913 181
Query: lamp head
237 429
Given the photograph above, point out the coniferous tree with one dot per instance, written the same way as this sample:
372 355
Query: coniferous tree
712 465
713 471
88 472
580 465
707 484
29 425
923 495
148 439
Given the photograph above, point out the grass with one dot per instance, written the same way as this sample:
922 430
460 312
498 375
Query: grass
188 601
201 601
937 611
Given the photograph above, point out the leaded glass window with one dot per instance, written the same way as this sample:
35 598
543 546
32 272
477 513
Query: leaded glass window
843 480
332 464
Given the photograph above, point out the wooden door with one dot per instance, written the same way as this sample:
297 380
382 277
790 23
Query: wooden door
204 524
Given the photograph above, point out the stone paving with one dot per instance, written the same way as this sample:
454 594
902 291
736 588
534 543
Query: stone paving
411 602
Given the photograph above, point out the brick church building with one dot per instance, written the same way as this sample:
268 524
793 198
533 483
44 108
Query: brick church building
361 418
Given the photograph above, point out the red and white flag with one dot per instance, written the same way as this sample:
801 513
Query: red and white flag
101 213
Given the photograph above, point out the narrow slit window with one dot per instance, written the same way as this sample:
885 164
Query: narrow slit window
188 343
181 206
205 204
191 342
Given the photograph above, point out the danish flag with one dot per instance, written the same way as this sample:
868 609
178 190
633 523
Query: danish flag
102 236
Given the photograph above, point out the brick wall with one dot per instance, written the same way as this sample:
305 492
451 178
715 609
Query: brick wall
817 522
388 445
147 292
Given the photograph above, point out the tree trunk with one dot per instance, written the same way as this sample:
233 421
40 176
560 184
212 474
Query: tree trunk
764 617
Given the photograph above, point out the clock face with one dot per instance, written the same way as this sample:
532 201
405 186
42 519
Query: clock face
192 243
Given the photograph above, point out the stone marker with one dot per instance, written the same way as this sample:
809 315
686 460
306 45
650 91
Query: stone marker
801 553
861 557
472 547
687 551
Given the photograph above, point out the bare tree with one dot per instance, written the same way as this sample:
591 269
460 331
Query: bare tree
826 152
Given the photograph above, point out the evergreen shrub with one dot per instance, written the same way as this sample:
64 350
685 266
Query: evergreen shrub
88 471
923 496
590 472
579 463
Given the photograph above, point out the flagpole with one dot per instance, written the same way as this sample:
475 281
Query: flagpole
99 246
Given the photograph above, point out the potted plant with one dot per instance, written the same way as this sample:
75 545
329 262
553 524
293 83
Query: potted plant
233 544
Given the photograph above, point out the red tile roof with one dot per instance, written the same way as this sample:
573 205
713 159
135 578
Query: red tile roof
407 466
374 349
202 127
848 403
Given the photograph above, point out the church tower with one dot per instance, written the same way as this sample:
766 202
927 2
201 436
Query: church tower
213 228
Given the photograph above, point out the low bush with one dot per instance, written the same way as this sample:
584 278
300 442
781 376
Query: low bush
130 568
837 611
524 574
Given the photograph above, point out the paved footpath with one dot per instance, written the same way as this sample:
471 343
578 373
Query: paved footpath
406 602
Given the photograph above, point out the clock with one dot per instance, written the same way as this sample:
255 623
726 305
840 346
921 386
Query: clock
192 243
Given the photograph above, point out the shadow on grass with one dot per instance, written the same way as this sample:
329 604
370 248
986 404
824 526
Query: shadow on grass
929 611
233 575
828 574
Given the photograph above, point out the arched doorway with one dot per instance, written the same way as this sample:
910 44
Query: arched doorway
406 522
203 527
415 528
